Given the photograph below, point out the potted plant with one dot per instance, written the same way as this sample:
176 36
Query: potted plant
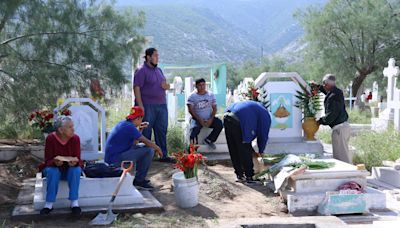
186 187
255 94
309 102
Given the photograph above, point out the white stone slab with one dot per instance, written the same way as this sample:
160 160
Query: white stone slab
387 175
308 202
92 192
340 170
204 132
304 147
323 185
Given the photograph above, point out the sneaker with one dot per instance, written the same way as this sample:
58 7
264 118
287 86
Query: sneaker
167 160
143 185
210 144
76 211
45 211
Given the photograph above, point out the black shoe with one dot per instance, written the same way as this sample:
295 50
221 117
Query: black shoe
45 211
143 185
76 211
240 179
250 180
210 144
167 160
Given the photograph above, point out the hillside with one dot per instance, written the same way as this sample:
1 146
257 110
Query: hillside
202 31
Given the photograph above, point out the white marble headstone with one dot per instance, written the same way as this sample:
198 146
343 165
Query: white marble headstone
86 127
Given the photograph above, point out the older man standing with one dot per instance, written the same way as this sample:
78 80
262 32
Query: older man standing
149 88
336 117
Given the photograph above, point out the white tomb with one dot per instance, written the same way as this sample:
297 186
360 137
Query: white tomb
286 133
85 114
307 190
92 192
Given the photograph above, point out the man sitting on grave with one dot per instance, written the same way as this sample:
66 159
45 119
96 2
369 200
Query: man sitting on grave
336 117
122 145
62 154
202 106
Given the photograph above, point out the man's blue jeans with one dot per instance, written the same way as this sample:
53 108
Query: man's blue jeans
54 175
157 116
142 157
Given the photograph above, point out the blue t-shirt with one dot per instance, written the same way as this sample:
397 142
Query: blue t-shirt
255 122
121 139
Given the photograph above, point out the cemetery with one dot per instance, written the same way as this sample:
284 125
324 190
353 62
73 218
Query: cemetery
302 144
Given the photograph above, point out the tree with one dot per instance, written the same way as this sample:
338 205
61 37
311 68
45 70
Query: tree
353 38
49 48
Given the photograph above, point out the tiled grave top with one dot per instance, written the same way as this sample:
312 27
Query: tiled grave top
340 170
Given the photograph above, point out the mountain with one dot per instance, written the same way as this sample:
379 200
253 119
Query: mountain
204 31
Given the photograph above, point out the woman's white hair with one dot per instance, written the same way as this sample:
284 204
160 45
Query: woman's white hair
329 79
60 121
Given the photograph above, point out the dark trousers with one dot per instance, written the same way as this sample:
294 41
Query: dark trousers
241 153
216 125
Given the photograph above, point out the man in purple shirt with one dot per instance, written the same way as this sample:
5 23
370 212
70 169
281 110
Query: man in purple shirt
149 88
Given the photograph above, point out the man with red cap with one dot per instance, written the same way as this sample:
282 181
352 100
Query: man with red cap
122 146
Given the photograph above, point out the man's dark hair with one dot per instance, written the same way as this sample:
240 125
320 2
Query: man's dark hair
200 80
149 52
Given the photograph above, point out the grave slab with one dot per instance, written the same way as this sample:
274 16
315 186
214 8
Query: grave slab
24 208
92 192
387 175
308 202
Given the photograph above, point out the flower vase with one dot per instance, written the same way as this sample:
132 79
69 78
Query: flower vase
310 127
186 190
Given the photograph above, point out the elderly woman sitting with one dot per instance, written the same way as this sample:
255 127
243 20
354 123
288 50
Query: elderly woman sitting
62 162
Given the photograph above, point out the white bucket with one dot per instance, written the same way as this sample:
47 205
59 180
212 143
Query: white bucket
186 190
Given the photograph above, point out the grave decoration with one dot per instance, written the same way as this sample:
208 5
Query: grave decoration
251 92
186 186
44 119
309 103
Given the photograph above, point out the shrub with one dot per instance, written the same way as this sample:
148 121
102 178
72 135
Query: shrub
360 117
325 135
373 147
175 141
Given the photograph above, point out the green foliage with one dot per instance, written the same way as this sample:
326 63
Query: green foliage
373 147
308 101
352 38
359 117
175 140
47 46
325 135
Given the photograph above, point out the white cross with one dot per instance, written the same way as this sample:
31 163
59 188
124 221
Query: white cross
391 72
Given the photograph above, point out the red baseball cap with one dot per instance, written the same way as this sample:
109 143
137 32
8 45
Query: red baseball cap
135 113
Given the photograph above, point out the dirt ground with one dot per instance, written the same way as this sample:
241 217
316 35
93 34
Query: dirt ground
220 197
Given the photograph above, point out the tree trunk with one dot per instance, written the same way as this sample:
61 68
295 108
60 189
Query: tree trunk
357 85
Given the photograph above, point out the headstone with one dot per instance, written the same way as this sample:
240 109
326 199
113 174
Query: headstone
286 133
392 111
173 99
85 115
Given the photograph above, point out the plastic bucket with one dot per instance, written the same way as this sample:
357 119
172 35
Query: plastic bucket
186 190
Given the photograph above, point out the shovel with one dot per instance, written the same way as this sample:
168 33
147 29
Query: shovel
109 217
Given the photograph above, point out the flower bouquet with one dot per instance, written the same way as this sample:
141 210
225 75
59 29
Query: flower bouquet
309 100
309 103
43 119
188 162
254 94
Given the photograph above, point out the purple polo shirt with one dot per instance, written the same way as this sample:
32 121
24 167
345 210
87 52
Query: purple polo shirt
149 80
